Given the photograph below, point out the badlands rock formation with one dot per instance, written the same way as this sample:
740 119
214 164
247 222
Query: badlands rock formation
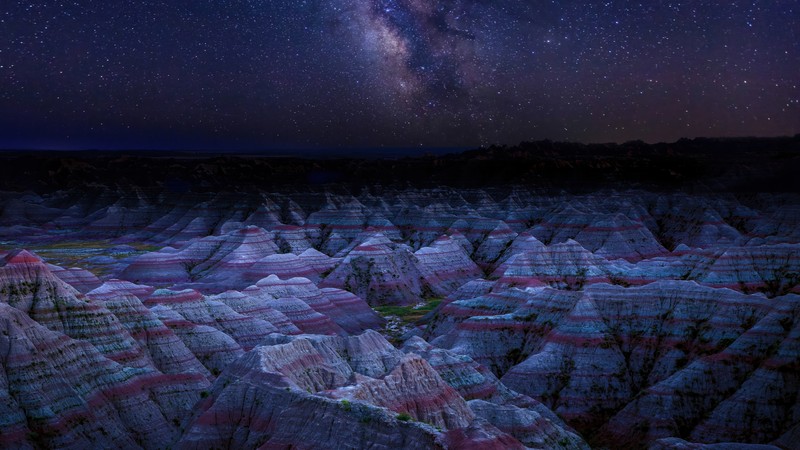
242 313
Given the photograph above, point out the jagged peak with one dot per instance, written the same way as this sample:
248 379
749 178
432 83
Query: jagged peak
172 296
115 287
250 230
279 257
21 256
312 252
571 245
274 280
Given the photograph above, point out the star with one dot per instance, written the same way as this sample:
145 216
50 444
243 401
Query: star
340 73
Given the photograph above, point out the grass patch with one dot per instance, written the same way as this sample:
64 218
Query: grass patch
90 244
409 314
75 252
98 245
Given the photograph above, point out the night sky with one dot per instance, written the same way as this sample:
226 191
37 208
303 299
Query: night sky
369 73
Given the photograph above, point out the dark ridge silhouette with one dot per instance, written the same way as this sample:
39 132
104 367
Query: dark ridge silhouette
734 164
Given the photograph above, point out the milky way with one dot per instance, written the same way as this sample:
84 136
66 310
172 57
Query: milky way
264 74
422 45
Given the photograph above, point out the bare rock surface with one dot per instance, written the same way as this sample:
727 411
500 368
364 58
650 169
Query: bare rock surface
62 392
239 314
381 396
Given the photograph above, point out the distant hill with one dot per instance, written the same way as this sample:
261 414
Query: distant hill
703 163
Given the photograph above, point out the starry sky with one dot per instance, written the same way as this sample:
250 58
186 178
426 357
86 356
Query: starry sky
251 74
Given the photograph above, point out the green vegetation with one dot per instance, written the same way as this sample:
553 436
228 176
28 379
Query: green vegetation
90 246
409 314
346 405
75 252
405 417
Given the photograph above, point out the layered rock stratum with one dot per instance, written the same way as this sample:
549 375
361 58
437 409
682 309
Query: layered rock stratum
209 305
